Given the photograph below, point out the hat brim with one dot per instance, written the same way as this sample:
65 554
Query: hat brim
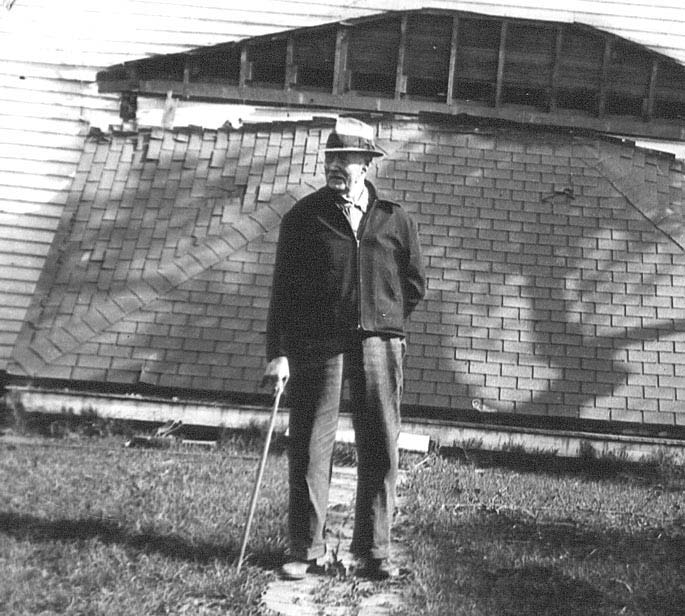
374 153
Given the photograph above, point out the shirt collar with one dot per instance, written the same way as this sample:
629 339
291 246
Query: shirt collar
361 201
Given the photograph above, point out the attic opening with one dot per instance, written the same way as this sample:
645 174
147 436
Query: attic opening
434 61
221 65
266 63
475 76
426 63
528 64
314 60
372 58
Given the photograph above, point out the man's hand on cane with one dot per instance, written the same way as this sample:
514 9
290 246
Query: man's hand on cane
276 374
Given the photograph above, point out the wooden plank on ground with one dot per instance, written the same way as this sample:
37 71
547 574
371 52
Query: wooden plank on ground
408 442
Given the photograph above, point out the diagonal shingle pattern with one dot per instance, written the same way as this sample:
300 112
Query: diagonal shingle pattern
647 181
179 224
554 265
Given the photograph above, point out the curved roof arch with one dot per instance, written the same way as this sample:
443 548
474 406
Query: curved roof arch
434 61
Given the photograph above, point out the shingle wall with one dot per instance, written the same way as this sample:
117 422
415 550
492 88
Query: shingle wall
555 266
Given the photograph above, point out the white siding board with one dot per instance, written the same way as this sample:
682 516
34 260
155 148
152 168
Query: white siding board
33 195
14 300
48 70
23 246
27 235
44 125
69 142
31 208
13 318
117 48
18 164
38 154
68 56
61 99
31 222
16 273
26 267
38 84
40 111
41 182
17 286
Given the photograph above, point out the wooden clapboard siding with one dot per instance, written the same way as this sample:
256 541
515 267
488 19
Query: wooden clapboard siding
34 222
51 51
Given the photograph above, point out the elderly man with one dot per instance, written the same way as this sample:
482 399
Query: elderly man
348 273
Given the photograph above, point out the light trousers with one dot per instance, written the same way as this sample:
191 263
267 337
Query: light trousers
372 366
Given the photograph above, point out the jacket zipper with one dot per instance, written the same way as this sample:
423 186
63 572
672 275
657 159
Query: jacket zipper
358 237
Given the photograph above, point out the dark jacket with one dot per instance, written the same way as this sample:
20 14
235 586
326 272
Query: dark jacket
325 285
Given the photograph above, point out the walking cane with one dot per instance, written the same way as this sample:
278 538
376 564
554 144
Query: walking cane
260 473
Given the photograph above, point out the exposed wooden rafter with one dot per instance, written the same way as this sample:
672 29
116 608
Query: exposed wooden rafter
648 110
453 59
340 61
245 67
501 57
400 77
573 75
290 66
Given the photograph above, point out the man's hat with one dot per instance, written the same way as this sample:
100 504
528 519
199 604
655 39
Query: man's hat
350 135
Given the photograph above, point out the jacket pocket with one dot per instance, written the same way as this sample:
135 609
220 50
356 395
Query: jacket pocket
389 301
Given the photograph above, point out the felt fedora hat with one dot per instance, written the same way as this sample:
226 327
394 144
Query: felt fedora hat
351 135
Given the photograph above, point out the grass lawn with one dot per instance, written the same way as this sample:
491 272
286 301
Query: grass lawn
90 527
538 539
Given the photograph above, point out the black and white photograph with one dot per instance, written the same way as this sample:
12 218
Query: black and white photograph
342 308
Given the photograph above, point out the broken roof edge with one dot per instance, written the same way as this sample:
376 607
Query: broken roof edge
465 124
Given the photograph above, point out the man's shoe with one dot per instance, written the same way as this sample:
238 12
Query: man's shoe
298 569
375 569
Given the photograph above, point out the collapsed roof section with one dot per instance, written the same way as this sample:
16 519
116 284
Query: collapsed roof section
433 61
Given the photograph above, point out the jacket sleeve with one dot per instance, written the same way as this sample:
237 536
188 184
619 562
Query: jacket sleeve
280 313
414 273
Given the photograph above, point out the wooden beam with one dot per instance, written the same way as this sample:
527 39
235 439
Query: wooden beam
200 91
245 68
400 77
454 46
290 66
604 78
186 75
648 107
500 63
556 67
340 84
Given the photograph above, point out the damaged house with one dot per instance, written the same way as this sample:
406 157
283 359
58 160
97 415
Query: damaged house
552 226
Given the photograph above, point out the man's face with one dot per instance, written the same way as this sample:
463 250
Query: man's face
345 170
